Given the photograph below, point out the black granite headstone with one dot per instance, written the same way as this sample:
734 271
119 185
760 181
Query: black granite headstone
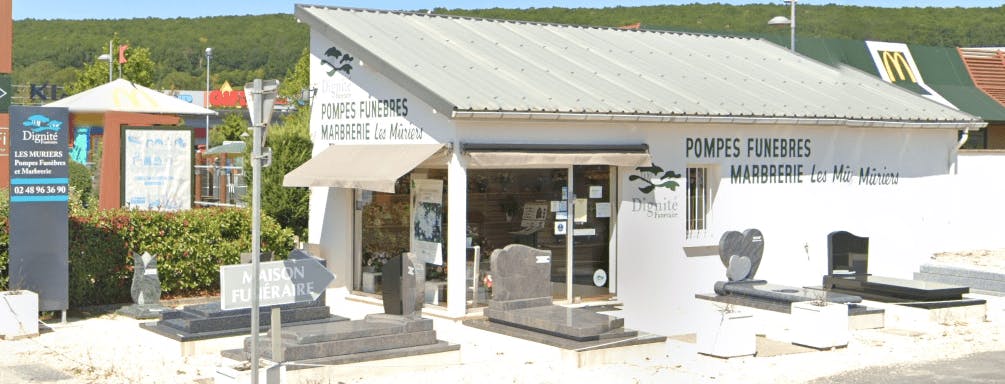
848 253
404 285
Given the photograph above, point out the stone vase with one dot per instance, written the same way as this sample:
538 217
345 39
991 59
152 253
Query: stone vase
727 333
819 326
18 314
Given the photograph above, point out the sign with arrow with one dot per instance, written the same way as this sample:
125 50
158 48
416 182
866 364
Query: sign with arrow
279 282
5 92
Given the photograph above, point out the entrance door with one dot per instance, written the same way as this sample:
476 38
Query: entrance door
590 232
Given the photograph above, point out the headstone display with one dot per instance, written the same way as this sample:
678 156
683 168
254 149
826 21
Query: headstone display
741 254
399 332
521 298
848 272
207 321
145 290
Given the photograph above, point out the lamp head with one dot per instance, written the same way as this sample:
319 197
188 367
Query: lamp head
779 20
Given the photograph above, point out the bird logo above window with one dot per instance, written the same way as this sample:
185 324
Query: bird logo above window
654 177
337 61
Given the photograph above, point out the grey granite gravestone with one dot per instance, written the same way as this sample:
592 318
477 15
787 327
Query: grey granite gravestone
207 321
521 297
145 289
400 331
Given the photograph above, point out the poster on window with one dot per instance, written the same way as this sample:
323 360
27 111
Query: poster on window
427 220
157 169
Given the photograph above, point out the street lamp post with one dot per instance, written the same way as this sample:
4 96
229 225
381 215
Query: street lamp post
205 98
790 21
261 96
108 57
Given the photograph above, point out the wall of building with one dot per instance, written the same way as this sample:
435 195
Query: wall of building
824 188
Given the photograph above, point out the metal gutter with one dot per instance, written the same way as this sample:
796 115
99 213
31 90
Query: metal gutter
699 119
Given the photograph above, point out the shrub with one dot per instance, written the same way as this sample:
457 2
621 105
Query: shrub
190 247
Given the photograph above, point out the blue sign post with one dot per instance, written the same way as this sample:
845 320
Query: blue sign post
39 192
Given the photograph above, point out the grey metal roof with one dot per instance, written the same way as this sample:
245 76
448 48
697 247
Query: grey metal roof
480 68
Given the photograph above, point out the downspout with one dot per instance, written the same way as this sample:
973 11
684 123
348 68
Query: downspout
963 140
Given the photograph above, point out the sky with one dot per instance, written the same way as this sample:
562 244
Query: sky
126 9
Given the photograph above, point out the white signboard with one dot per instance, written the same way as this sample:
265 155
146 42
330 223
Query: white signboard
279 282
157 169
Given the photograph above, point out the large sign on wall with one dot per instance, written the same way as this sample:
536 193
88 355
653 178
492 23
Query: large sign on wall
344 112
157 168
39 195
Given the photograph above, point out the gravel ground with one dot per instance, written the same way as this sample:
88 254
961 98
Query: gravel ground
107 348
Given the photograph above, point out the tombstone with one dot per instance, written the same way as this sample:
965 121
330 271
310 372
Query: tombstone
398 332
404 285
848 272
847 254
521 274
521 298
208 321
145 289
741 254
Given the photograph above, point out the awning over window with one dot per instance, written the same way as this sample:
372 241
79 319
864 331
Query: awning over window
524 155
370 167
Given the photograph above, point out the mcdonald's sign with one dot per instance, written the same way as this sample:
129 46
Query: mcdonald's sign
896 66
132 98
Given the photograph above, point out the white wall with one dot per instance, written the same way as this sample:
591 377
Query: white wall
900 219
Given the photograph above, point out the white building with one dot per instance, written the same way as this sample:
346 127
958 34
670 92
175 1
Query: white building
661 141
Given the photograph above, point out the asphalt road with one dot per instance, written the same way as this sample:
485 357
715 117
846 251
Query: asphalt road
985 367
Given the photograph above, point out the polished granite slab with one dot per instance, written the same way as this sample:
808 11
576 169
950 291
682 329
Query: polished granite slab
616 338
782 293
890 289
342 340
208 321
572 323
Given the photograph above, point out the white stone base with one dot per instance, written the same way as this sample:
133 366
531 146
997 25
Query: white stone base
727 334
18 314
820 327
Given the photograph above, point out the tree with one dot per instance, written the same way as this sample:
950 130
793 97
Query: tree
138 68
233 126
297 79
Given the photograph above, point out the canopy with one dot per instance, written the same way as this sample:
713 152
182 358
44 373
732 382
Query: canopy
370 167
522 155
124 96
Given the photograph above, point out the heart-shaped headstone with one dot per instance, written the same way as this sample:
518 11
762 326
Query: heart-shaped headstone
745 250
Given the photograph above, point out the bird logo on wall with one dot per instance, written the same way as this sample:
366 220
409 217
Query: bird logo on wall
339 61
654 177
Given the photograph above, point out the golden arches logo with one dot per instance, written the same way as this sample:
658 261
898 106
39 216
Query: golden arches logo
895 61
132 98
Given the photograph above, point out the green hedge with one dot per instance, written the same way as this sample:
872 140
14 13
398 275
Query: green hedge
190 245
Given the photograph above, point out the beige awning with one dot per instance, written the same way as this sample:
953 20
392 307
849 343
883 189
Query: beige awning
529 155
370 167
